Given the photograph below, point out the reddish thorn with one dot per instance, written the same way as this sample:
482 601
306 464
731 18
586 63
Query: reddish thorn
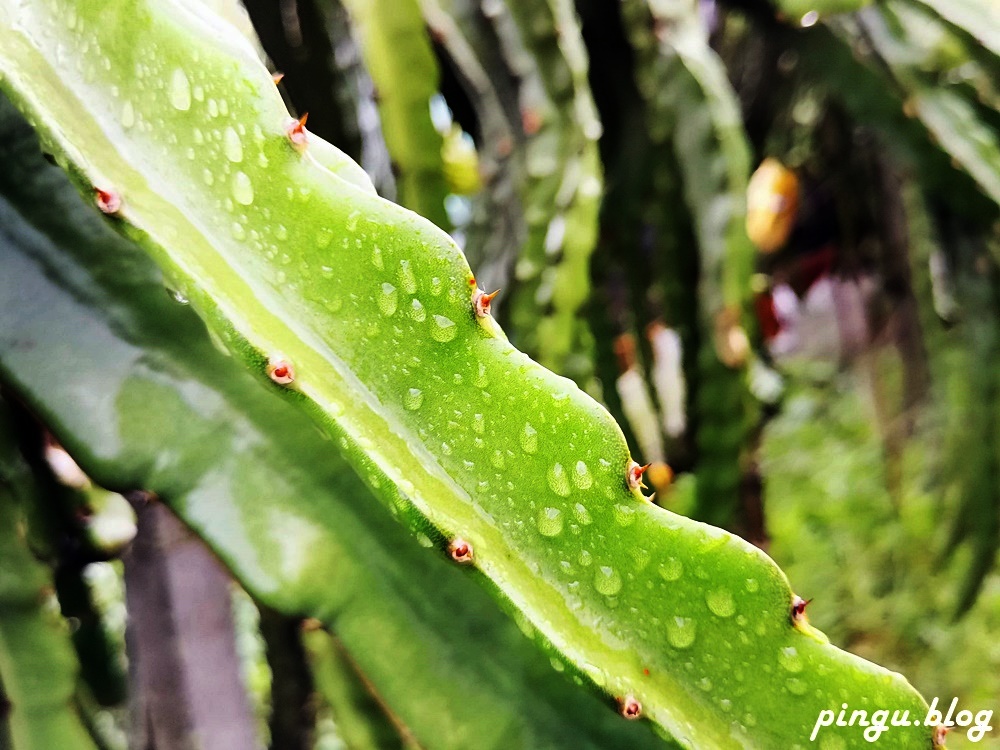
629 707
277 78
296 130
646 672
460 551
634 475
281 371
481 301
799 609
472 281
109 201
940 732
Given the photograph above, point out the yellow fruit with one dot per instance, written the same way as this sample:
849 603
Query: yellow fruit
660 475
461 163
772 204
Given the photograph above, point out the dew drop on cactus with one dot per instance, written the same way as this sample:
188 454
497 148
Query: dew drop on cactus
232 146
480 380
796 686
443 329
413 399
529 439
180 90
417 311
242 189
406 278
789 659
671 569
387 300
624 514
550 522
558 481
582 514
607 581
720 603
128 115
681 632
581 476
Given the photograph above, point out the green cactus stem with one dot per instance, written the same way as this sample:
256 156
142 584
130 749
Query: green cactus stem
371 311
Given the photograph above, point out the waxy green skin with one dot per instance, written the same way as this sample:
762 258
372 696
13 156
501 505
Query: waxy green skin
448 424
37 660
153 403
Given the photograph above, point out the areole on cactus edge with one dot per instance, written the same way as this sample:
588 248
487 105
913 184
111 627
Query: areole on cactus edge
290 264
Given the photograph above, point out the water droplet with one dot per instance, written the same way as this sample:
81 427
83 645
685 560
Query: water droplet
207 177
479 423
436 286
721 603
789 658
681 632
242 189
128 115
480 380
585 558
180 90
377 257
178 296
752 585
581 476
238 231
550 522
796 686
529 439
443 329
413 399
558 480
281 232
671 569
624 514
640 556
387 300
406 278
417 311
607 581
582 514
705 684
232 146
